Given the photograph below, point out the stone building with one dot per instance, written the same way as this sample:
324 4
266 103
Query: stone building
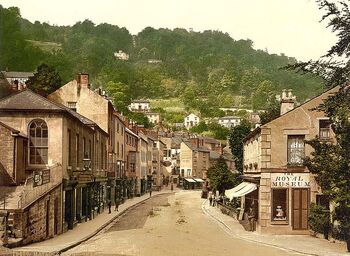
120 155
49 188
274 175
194 163
96 106
132 163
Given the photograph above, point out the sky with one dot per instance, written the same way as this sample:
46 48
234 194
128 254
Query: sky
291 27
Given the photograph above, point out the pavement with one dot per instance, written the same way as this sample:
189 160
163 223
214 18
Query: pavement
300 244
83 231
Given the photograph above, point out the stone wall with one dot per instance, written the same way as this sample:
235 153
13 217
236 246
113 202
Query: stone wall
34 218
6 157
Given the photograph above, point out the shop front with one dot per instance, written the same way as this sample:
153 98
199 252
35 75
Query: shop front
284 200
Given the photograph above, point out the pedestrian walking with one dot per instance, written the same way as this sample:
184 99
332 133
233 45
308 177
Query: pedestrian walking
150 192
252 216
109 203
116 205
214 200
210 199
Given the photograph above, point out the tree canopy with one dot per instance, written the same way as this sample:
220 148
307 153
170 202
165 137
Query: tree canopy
207 70
220 176
331 161
236 136
45 80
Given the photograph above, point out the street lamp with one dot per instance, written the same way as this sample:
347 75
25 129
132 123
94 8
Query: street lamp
87 162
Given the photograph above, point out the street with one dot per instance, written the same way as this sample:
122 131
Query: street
169 224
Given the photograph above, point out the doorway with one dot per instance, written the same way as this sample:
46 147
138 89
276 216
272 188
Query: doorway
300 208
55 217
47 219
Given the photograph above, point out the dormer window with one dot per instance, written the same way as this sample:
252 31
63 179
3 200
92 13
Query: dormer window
72 105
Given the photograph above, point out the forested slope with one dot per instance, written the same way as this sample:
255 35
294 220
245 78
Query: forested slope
206 70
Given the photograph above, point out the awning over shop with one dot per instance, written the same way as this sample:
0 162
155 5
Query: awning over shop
241 190
198 180
190 180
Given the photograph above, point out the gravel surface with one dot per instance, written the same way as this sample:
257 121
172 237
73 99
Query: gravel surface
169 225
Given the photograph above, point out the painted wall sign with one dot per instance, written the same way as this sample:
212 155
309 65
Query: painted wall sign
290 180
41 177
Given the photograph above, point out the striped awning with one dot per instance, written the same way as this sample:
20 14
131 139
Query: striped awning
241 190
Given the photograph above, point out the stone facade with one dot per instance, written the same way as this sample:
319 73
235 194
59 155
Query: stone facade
273 156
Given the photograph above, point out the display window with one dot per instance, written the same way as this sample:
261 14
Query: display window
279 209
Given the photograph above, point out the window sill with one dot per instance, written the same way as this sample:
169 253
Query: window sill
279 222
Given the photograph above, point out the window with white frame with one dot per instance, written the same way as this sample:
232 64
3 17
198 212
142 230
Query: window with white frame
296 149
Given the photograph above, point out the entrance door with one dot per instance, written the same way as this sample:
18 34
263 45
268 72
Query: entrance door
55 217
300 208
47 218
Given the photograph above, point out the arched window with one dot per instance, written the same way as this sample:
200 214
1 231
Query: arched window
38 142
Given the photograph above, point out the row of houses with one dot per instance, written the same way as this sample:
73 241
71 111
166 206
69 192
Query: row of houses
66 156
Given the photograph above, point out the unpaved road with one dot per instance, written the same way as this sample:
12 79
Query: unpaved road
169 225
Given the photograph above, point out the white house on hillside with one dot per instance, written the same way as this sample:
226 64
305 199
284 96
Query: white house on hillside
191 120
229 121
139 106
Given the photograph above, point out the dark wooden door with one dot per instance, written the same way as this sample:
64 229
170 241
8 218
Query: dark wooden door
48 218
300 208
55 217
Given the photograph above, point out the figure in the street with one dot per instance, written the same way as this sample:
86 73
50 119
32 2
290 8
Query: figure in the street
150 192
109 203
210 199
116 205
252 216
214 199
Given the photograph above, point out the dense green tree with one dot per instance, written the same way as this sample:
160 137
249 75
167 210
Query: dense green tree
236 136
219 132
331 162
140 119
118 92
272 111
199 128
262 94
220 177
15 52
45 80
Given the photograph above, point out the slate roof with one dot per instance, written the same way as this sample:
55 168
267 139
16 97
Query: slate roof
27 100
14 131
194 148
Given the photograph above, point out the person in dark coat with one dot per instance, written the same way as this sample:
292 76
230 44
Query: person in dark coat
109 203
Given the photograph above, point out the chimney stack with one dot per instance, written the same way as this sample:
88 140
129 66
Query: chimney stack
83 81
287 100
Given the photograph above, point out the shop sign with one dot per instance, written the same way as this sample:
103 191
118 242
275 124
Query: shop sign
290 180
41 177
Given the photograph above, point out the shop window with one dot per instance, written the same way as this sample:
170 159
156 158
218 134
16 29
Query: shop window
296 149
279 204
325 128
38 142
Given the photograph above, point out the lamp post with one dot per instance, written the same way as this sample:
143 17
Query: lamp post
86 162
